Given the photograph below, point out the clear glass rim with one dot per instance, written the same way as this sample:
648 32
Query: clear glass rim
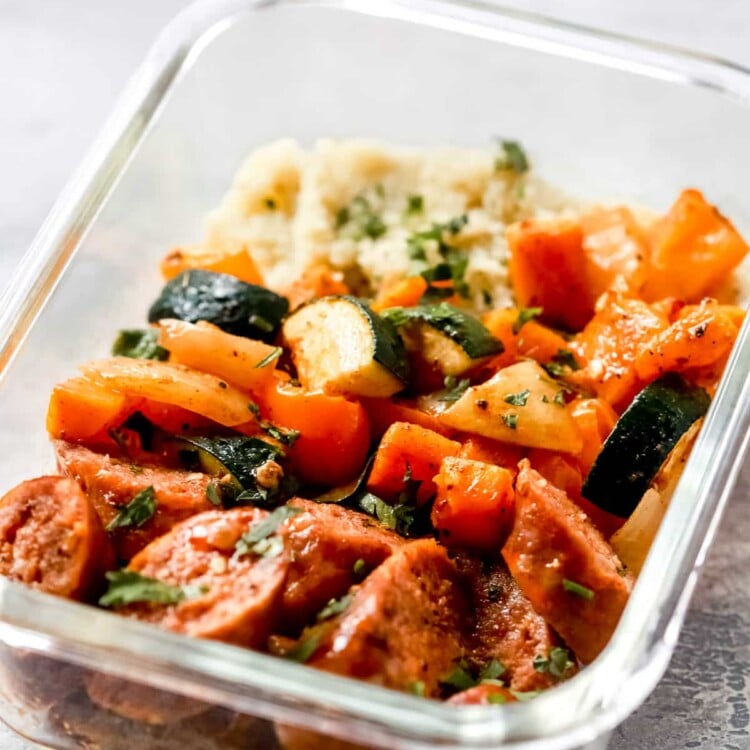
584 708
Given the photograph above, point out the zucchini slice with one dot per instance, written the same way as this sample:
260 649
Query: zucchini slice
641 441
242 463
232 305
341 346
444 336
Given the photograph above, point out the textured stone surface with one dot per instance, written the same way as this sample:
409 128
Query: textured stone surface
62 65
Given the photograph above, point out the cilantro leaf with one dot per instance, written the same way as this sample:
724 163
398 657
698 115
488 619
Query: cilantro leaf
518 399
557 663
513 158
139 344
254 542
414 205
454 389
359 220
399 518
334 607
511 420
127 587
137 512
525 314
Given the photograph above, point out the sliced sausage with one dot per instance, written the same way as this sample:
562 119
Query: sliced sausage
507 628
556 556
237 596
325 542
143 703
111 484
404 622
52 539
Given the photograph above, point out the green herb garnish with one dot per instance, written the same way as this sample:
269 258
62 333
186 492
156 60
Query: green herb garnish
567 359
271 357
518 399
496 698
284 435
454 388
359 219
417 688
359 567
578 589
492 670
137 512
459 678
334 607
254 542
513 158
511 420
557 663
525 314
127 587
139 344
399 517
559 398
414 205
304 649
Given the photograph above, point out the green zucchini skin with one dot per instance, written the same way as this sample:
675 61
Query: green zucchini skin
388 349
640 442
232 305
240 457
460 327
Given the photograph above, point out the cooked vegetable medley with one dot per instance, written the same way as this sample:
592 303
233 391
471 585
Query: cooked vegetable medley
392 476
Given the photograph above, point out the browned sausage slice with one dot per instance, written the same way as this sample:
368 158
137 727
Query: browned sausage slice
507 627
242 594
111 484
554 550
404 622
325 542
51 538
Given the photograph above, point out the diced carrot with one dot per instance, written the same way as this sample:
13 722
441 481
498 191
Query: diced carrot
409 452
693 249
539 342
334 433
595 419
609 345
548 270
614 245
478 448
80 409
316 281
170 383
238 360
404 293
234 259
474 504
383 412
702 335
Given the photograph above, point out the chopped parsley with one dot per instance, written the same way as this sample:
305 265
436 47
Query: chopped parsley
460 678
399 517
511 420
492 670
334 607
284 435
557 663
578 589
256 541
271 357
465 676
567 359
453 263
512 159
414 205
518 399
559 398
525 314
304 649
359 219
139 344
497 698
417 688
359 567
127 587
454 388
137 512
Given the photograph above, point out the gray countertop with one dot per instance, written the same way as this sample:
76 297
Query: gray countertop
63 64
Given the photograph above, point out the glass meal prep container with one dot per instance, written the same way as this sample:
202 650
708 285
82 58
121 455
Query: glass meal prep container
604 118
